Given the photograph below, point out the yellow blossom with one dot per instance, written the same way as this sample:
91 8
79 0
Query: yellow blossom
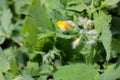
63 25
89 24
85 22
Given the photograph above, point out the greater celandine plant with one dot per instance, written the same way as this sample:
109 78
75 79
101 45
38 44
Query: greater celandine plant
84 28
81 44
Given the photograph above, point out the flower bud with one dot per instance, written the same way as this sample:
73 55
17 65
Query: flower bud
49 58
85 22
82 21
91 32
75 43
91 42
71 23
89 24
82 31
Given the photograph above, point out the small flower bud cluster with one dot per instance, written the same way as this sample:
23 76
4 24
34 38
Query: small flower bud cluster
86 23
49 58
92 37
86 31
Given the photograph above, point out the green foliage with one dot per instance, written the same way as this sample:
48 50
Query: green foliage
1 76
106 40
102 26
40 22
101 19
77 72
115 45
51 5
21 6
109 3
46 38
5 65
83 46
110 75
5 25
77 5
2 4
24 76
32 68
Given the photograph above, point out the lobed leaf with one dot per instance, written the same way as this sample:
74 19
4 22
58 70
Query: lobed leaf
37 22
76 72
1 76
106 40
109 2
101 22
5 65
76 5
110 75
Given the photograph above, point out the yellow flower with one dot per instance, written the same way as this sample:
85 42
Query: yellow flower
89 24
63 25
85 22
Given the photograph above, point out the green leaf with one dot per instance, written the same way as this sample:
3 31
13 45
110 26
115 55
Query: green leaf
44 35
2 35
97 2
110 75
9 76
21 6
44 44
76 5
19 77
9 52
87 2
37 22
24 76
64 2
45 69
106 38
51 5
97 22
60 35
1 76
101 22
2 39
3 4
115 44
76 72
14 68
6 21
109 2
32 68
5 65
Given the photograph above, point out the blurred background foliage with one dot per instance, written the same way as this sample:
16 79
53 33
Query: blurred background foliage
20 63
